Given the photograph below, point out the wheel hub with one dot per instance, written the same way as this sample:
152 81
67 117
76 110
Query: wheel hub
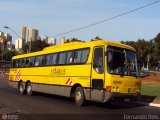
78 96
29 89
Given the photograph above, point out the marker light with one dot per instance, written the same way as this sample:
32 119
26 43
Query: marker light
108 88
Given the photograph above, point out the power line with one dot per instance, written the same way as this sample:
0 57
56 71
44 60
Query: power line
105 20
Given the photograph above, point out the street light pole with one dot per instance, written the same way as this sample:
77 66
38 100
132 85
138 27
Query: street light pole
14 32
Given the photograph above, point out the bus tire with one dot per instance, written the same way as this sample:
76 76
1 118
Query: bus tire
29 89
79 96
21 88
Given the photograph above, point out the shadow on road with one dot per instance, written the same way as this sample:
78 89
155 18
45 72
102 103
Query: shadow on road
146 98
109 105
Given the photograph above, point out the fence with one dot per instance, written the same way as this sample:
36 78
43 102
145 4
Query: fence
4 73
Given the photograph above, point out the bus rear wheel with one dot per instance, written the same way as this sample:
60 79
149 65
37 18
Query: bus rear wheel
21 88
29 89
79 96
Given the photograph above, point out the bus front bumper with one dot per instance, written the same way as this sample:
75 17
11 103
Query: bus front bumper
120 96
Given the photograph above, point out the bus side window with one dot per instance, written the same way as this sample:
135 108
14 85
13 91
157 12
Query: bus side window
69 57
77 56
27 62
81 56
18 63
23 62
40 60
43 62
85 54
62 58
31 61
98 60
54 58
14 63
48 59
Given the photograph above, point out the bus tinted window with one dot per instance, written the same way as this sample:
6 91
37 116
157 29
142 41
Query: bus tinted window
69 58
17 63
85 53
22 62
54 59
77 56
40 60
98 60
62 58
48 59
30 62
14 64
81 56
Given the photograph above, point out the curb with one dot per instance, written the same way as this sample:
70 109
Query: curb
149 104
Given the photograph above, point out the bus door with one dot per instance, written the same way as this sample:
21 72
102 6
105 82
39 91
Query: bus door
98 76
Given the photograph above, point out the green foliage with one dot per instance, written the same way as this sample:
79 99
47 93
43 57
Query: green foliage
74 39
36 45
149 48
8 54
97 38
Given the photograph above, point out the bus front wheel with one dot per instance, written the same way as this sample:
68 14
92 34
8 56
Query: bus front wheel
79 96
21 88
29 89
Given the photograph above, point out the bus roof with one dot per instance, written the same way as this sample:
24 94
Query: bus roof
74 45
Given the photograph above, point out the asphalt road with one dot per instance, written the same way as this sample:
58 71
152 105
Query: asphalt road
44 106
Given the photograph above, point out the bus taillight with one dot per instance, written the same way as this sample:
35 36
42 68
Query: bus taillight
108 88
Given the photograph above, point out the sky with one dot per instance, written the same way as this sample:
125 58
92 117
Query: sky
52 17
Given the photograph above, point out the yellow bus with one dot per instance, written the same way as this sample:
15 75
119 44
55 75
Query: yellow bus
99 70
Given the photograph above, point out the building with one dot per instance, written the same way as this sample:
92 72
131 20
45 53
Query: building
19 44
52 41
5 41
49 40
1 41
8 41
23 35
63 40
33 34
44 38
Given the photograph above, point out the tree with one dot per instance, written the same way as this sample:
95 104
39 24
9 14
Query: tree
146 48
8 54
156 50
97 38
36 45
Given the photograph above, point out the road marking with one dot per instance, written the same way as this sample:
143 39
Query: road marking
149 104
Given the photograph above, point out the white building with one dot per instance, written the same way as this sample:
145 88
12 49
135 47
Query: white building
32 34
5 41
63 40
52 41
23 34
18 44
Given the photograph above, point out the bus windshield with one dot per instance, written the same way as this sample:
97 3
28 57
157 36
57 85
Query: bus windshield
121 61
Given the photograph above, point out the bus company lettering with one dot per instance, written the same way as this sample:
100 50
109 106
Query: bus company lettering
117 82
56 72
